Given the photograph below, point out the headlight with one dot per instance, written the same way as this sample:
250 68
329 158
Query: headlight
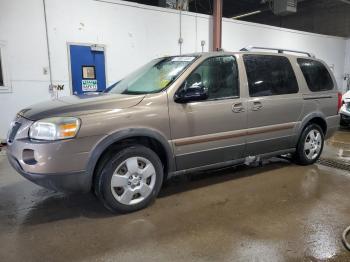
55 128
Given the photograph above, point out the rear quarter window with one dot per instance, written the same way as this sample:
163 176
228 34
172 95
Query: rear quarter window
270 75
316 75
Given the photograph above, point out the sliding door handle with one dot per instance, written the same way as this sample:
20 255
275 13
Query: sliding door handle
257 106
238 108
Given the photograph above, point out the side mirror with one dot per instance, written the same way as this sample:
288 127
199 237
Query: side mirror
196 92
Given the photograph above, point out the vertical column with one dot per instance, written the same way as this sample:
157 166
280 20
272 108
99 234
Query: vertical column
217 25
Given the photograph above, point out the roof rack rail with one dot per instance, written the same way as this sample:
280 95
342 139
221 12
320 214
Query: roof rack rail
279 50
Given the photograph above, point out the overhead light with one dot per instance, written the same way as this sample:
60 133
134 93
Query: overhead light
247 14
345 1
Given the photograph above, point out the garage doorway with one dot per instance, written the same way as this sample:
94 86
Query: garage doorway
87 68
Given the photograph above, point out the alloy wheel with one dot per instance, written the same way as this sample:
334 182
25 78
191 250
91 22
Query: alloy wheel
313 144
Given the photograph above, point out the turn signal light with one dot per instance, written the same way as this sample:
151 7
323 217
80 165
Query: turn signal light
68 130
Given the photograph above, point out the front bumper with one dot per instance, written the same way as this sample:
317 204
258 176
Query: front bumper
58 165
64 182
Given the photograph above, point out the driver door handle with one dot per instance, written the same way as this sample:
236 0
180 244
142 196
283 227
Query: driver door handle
257 106
237 108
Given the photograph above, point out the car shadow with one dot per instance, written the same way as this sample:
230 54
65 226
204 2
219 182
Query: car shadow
183 183
44 206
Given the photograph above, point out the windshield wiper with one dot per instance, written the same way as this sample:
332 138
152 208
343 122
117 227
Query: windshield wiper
127 92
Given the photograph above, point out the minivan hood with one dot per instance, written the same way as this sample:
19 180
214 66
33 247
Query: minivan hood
77 105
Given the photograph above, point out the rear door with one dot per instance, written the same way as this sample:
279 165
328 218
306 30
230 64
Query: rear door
274 104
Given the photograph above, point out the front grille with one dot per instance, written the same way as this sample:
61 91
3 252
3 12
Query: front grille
13 132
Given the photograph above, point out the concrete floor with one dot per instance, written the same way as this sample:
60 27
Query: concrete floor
278 212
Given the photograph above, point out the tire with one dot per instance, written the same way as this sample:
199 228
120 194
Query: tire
129 180
310 145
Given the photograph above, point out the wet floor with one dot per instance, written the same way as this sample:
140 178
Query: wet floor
338 146
278 212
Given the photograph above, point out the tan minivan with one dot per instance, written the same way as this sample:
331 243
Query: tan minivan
176 115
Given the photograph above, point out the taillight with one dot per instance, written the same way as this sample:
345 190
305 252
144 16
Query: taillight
340 96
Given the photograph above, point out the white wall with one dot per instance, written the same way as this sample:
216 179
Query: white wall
23 33
132 36
132 33
238 34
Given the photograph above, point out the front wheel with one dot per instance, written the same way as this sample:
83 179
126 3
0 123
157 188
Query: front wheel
310 145
129 180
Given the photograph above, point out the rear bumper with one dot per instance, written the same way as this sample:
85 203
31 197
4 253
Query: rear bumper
332 125
65 182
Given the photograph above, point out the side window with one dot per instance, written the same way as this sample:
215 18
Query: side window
219 75
316 75
270 75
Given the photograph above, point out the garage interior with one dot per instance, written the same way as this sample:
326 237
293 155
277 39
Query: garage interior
270 211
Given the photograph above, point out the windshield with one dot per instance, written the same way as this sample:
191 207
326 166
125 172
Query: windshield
152 77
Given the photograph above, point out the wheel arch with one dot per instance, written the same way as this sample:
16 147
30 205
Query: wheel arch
316 118
140 135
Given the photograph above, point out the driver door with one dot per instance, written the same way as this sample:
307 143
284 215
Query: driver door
210 131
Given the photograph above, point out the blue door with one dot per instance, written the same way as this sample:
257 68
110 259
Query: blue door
87 69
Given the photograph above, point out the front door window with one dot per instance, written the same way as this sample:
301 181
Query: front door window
219 75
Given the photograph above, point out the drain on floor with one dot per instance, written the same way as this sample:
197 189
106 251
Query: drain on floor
340 164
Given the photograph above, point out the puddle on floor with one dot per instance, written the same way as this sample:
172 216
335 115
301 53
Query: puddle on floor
338 146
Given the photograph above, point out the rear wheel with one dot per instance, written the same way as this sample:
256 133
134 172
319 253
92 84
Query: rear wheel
310 145
129 180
